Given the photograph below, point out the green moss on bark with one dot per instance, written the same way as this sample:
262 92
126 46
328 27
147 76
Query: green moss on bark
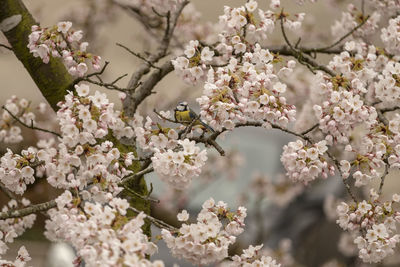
53 81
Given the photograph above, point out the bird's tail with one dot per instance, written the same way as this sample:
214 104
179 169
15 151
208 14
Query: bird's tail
207 126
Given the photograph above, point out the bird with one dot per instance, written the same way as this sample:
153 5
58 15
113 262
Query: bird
185 115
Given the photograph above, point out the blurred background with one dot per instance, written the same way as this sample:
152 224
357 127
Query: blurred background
288 218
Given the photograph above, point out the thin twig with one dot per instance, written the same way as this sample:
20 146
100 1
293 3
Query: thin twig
363 7
85 78
110 86
345 181
135 175
164 118
343 37
99 72
291 51
310 129
135 97
286 51
284 34
141 196
6 47
8 193
305 50
119 78
139 56
383 177
30 126
159 223
383 110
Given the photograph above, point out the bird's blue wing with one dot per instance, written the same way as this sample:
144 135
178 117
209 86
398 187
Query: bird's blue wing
192 114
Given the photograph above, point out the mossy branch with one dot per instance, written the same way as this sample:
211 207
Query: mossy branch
52 79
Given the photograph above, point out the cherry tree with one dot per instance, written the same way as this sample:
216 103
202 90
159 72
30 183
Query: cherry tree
339 102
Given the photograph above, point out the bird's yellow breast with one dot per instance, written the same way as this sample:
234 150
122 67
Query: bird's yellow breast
183 116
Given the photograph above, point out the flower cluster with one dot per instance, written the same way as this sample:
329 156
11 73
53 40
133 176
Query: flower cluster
10 132
21 260
15 170
151 136
374 224
14 227
85 118
252 257
240 31
387 87
217 167
101 234
192 67
390 36
305 163
246 88
354 17
81 157
369 158
246 92
263 256
61 41
178 167
342 105
175 161
207 240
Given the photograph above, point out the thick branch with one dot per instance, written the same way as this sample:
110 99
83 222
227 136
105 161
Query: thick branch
147 86
28 210
52 79
135 98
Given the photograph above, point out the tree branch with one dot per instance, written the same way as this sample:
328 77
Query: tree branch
8 193
52 79
133 100
138 56
304 60
30 126
6 47
28 210
134 176
383 177
342 38
141 196
159 223
310 129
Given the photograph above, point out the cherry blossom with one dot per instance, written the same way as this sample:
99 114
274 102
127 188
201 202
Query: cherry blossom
215 230
60 41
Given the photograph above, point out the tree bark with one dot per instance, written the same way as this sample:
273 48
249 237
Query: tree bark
53 81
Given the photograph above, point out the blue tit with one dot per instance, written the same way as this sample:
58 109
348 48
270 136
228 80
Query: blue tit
185 115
